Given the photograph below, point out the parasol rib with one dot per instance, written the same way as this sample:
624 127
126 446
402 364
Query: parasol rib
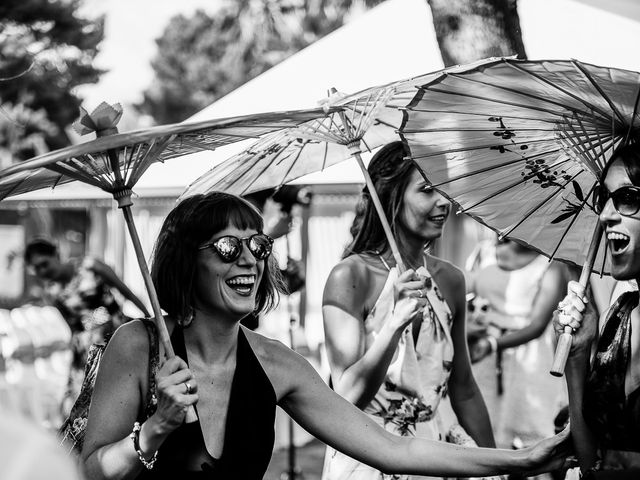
480 114
154 151
16 186
580 147
325 155
595 84
537 207
478 129
493 167
78 175
557 87
504 102
588 137
245 166
525 178
563 106
573 220
633 116
477 147
274 159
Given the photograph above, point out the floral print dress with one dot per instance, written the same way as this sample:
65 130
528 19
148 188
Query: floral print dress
416 380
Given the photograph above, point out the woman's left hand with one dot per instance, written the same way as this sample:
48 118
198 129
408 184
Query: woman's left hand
549 454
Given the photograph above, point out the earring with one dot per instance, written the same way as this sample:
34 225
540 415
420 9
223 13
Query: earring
186 320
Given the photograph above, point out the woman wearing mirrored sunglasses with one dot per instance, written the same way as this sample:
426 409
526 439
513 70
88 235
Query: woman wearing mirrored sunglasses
212 266
603 370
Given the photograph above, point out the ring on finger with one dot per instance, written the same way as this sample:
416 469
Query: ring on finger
420 293
189 388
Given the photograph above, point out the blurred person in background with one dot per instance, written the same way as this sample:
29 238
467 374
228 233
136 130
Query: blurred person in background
30 453
279 225
82 289
511 303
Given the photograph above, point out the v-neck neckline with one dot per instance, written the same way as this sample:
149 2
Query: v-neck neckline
232 390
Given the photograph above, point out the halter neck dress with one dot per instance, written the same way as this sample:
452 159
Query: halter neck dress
618 439
249 432
415 383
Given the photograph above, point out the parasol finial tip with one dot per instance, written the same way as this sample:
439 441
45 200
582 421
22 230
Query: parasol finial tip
102 120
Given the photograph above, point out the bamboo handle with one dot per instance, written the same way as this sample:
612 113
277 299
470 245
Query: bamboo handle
163 333
562 352
564 341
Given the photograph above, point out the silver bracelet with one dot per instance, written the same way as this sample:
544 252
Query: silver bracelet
135 436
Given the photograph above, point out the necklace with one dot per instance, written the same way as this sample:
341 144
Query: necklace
389 262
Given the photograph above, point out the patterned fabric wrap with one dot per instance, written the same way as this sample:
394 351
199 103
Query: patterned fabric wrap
614 418
72 431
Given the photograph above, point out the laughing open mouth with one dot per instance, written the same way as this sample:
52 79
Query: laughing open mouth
243 284
618 242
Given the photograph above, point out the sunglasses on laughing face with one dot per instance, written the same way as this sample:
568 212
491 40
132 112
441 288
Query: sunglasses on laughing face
229 247
626 200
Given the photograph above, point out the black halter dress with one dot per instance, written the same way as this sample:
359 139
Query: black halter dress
249 432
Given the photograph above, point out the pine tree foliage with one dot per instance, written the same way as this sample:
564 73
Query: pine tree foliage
46 49
203 57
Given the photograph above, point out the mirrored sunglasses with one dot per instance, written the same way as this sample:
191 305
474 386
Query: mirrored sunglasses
626 200
229 247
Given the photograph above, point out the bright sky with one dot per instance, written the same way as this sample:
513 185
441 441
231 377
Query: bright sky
131 27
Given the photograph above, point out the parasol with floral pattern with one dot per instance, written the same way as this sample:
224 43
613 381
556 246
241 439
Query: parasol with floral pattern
521 145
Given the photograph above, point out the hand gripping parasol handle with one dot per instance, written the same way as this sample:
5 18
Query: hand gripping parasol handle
564 341
163 333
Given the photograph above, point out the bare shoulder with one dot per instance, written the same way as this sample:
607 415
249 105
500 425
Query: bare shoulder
349 272
283 366
353 283
130 342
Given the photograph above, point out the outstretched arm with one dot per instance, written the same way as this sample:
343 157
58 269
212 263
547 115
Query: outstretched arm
336 422
552 288
357 372
109 276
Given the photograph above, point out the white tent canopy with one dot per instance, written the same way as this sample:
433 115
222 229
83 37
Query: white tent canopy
396 40
393 41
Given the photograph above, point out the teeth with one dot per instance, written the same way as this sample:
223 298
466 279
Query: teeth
616 236
241 281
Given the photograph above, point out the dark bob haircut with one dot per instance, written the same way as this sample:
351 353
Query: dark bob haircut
190 224
630 157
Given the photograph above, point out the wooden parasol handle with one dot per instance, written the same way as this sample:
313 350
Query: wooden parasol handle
163 333
564 341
